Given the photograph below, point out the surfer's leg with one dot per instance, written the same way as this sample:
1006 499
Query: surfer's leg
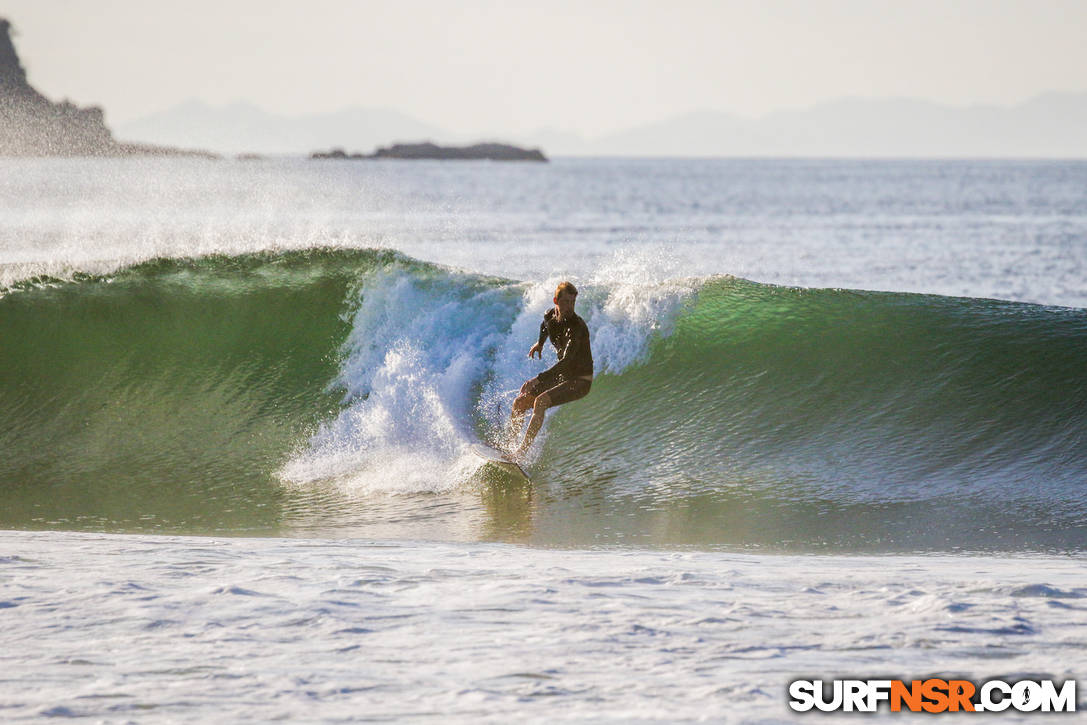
539 410
565 392
524 401
517 419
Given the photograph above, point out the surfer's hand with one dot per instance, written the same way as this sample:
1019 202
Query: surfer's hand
536 351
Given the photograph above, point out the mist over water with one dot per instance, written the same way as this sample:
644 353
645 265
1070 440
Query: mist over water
1009 230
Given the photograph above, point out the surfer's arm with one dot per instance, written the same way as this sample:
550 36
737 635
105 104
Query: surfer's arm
537 349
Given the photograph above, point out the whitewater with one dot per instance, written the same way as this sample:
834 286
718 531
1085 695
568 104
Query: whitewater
838 429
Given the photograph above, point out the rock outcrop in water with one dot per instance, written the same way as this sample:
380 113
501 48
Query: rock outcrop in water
32 125
480 151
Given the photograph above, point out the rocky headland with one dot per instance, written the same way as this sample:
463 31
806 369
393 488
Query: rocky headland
481 151
32 125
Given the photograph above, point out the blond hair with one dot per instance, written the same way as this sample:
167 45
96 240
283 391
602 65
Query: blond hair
565 287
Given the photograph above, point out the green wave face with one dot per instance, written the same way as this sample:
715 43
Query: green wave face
180 395
165 396
775 416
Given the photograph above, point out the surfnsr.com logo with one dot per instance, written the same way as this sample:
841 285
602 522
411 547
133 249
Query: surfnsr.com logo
932 695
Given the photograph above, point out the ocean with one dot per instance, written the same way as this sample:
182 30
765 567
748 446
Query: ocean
838 429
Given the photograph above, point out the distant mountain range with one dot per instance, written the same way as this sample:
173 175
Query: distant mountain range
1052 125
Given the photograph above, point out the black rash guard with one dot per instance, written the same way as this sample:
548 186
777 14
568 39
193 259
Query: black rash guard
571 340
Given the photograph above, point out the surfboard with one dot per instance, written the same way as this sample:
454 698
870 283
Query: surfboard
499 460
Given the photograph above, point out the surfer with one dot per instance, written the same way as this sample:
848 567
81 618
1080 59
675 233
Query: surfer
567 380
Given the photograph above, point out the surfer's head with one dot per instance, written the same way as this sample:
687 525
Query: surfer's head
565 296
567 287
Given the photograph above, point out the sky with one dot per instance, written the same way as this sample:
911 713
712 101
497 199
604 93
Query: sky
588 66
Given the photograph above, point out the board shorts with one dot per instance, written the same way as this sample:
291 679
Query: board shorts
566 391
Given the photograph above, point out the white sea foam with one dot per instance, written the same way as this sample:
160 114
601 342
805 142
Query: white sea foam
435 358
166 629
420 344
640 297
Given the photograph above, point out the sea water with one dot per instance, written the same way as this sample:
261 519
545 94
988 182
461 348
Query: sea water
838 429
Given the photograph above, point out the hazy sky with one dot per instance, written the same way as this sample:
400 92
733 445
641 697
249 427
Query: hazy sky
510 67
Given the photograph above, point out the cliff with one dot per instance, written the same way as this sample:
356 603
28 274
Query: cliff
32 125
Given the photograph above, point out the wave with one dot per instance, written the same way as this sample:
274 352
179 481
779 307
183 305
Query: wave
869 395
849 419
189 392
167 393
